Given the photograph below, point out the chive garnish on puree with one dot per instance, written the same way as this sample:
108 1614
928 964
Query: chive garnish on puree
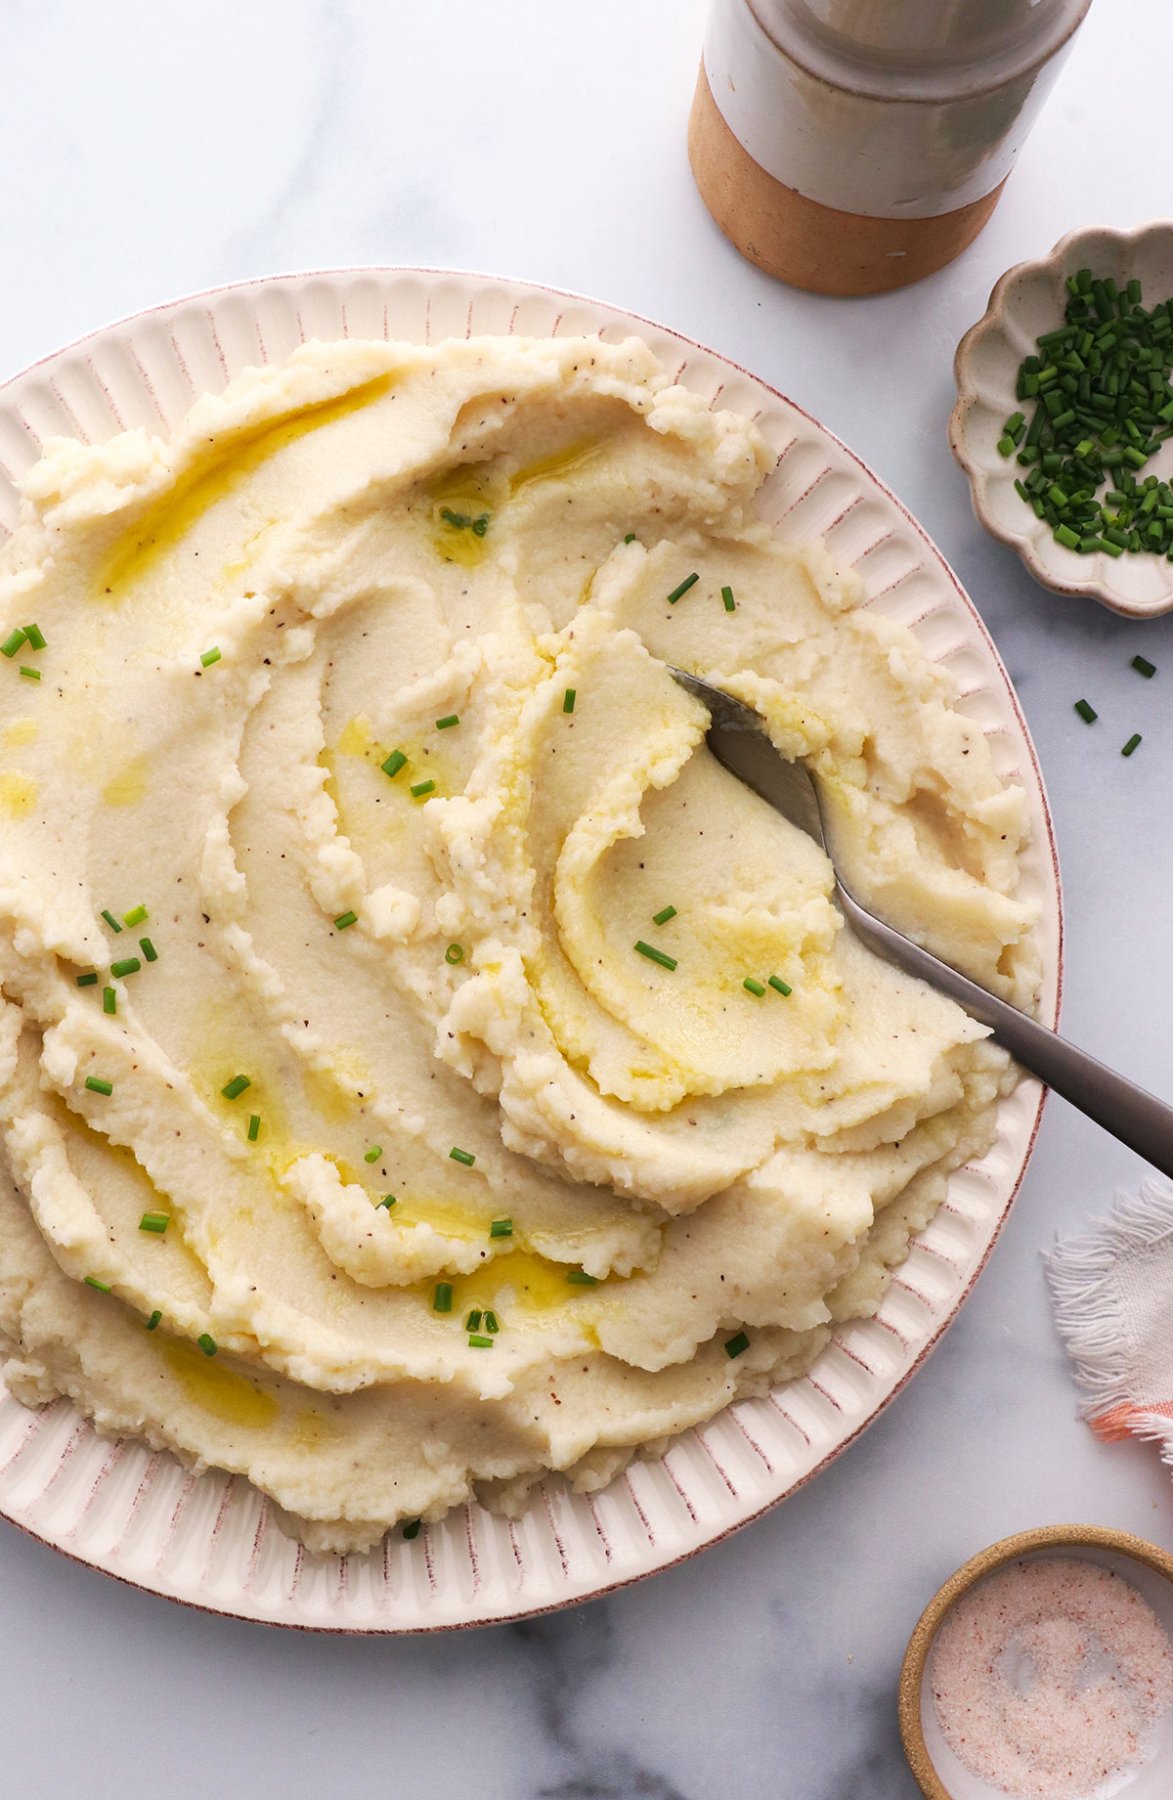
491 1323
111 921
207 1343
580 1278
96 1085
780 986
727 597
148 949
442 1297
394 763
447 722
663 916
678 593
421 788
13 641
753 987
155 1221
103 1287
454 954
477 1341
254 1127
30 674
467 1157
653 955
128 965
153 1321
388 1201
345 920
109 1000
232 1090
501 1228
412 1529
568 700
373 1154
209 657
34 637
90 980
1102 406
735 1345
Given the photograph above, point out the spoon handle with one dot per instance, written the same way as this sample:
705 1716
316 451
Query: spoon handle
1137 1118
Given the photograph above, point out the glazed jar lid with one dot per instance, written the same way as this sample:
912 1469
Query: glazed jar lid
919 45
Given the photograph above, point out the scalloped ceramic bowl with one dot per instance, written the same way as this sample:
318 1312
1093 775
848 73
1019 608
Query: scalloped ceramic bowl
212 1540
1030 299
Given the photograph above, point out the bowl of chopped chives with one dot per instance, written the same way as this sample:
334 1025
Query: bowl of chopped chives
1064 416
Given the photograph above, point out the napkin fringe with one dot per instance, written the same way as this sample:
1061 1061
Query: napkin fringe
1088 1310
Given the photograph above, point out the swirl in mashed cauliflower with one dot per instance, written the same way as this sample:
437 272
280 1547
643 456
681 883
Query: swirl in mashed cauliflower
357 686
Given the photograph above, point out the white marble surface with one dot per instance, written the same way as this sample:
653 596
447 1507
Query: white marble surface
148 151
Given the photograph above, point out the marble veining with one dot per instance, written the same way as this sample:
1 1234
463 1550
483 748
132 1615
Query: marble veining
148 152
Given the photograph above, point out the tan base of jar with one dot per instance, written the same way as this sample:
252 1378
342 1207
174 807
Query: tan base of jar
806 244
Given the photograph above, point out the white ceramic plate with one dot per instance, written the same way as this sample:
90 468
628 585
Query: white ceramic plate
210 1540
1029 299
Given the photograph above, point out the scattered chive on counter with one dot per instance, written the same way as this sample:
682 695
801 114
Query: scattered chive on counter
1087 713
232 1090
663 916
1102 406
1131 745
735 1345
653 955
1144 667
467 1157
678 593
155 1221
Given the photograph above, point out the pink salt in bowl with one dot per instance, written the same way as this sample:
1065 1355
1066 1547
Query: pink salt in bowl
939 1771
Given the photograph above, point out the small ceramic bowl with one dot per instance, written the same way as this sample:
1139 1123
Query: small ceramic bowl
1030 299
938 1771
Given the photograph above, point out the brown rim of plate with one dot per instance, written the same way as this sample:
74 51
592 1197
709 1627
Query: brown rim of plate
1006 1550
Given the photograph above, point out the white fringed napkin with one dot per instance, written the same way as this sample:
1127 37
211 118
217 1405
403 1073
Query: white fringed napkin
1113 1295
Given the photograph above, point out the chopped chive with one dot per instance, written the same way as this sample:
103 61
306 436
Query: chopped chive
109 1000
103 1287
1131 745
207 1343
662 917
30 674
568 700
735 1345
654 955
1143 666
501 1228
1087 713
373 1154
209 657
478 1342
345 920
135 916
678 592
753 987
422 787
254 1127
12 644
111 921
454 954
466 1157
153 1321
630 538
394 763
473 1322
127 965
580 1278
442 1297
492 1324
727 597
233 1089
90 980
388 1200
35 637
97 1086
155 1221
148 949
446 723
412 1529
780 986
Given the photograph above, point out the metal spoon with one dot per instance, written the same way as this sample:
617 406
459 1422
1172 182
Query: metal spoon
737 738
